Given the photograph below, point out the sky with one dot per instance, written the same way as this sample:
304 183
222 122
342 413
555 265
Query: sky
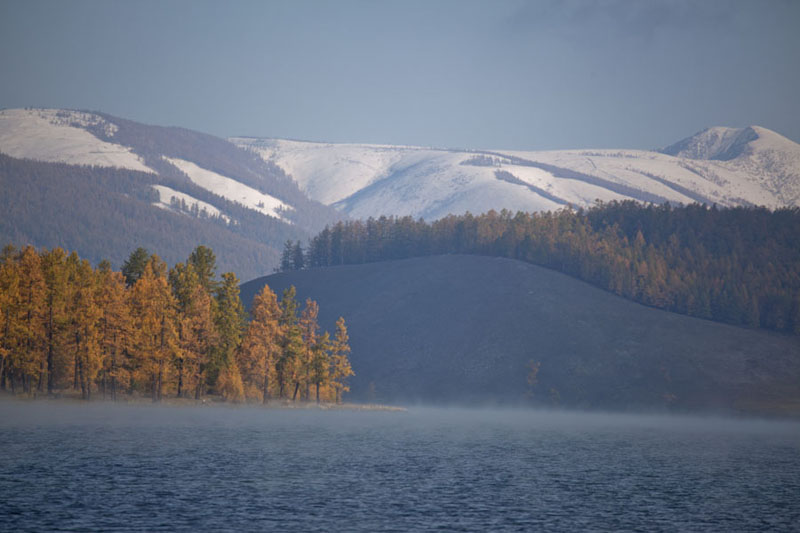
494 74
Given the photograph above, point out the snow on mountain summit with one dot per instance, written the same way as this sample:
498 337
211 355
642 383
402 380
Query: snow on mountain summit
717 143
723 166
765 156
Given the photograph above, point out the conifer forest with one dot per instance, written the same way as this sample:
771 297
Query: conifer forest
70 329
735 265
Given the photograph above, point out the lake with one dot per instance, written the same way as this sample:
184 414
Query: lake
157 468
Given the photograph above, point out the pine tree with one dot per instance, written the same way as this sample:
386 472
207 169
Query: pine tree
320 363
229 322
204 262
291 344
134 267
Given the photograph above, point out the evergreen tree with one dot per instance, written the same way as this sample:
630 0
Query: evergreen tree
134 267
292 346
229 321
204 262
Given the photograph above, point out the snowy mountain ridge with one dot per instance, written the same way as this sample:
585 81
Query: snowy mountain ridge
85 138
723 166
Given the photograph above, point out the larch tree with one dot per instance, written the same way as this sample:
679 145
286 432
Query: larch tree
154 314
340 363
197 333
27 355
84 315
310 332
115 327
261 343
56 276
9 302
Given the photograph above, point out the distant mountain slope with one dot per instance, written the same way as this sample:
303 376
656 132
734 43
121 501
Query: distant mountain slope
218 188
462 329
106 213
759 167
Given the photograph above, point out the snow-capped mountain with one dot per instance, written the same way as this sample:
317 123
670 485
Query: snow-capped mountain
718 166
769 159
117 175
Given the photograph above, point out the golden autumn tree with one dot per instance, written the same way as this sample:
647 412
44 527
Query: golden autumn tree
310 333
340 368
9 300
56 275
84 314
261 342
154 317
114 327
197 334
26 355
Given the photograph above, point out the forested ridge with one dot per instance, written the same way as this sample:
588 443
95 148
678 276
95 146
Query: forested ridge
738 265
69 328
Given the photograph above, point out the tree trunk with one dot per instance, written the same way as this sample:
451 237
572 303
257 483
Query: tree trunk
266 380
114 371
317 393
40 385
50 377
180 376
296 388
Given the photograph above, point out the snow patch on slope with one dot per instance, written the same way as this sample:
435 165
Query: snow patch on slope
231 189
60 136
167 196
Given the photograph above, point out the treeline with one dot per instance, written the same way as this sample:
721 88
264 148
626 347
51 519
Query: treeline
738 265
146 330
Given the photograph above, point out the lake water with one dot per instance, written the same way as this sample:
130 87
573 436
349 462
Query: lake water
151 468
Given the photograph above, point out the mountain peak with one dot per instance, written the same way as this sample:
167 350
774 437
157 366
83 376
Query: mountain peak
717 143
725 144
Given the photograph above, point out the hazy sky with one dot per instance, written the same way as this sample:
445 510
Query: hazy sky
447 73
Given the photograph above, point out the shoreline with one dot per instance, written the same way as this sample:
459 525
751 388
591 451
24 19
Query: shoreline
8 397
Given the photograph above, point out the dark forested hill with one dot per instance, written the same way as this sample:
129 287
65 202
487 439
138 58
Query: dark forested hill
465 329
106 213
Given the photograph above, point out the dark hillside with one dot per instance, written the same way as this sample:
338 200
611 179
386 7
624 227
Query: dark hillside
105 213
462 329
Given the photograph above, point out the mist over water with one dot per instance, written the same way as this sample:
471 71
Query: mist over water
150 468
